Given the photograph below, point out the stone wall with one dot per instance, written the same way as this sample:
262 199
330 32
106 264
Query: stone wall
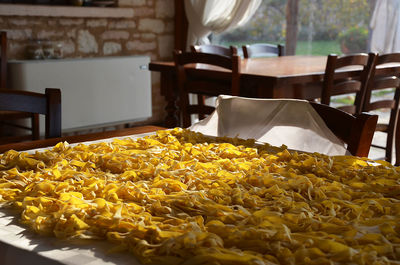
149 32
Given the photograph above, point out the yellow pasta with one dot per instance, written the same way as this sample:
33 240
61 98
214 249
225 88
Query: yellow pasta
178 197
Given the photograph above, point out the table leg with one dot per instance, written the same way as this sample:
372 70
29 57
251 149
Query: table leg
170 94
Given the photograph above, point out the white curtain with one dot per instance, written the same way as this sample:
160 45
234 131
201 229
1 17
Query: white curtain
385 25
207 16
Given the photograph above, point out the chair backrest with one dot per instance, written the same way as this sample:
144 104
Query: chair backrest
356 131
3 59
263 49
215 49
207 85
347 81
48 104
387 78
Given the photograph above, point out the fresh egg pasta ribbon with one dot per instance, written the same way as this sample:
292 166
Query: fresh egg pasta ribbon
178 197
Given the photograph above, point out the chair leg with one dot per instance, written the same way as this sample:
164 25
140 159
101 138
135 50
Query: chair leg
389 148
35 127
397 141
201 102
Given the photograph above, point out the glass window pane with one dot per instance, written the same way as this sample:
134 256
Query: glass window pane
324 26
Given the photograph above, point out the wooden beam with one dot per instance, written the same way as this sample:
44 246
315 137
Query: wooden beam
292 10
181 25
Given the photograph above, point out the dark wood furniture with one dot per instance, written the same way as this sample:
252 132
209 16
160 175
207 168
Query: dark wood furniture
13 127
379 81
274 77
365 122
356 131
261 77
263 49
78 138
193 82
215 49
180 25
10 119
48 104
335 84
3 59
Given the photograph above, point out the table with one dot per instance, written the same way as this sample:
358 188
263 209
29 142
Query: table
78 138
297 77
47 247
334 215
275 77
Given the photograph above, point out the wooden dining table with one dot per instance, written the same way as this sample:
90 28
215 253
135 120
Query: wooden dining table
273 77
298 77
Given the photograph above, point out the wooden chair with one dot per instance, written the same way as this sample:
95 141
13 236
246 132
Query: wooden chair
341 81
48 104
263 49
3 59
356 131
215 49
389 78
189 83
212 49
10 119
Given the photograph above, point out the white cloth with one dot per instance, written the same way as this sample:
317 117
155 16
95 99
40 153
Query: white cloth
291 122
206 16
385 26
20 246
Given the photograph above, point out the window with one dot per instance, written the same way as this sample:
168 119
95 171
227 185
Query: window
324 26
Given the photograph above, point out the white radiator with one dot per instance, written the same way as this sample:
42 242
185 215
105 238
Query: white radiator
94 92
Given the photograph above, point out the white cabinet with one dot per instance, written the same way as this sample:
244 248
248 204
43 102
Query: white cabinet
95 92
